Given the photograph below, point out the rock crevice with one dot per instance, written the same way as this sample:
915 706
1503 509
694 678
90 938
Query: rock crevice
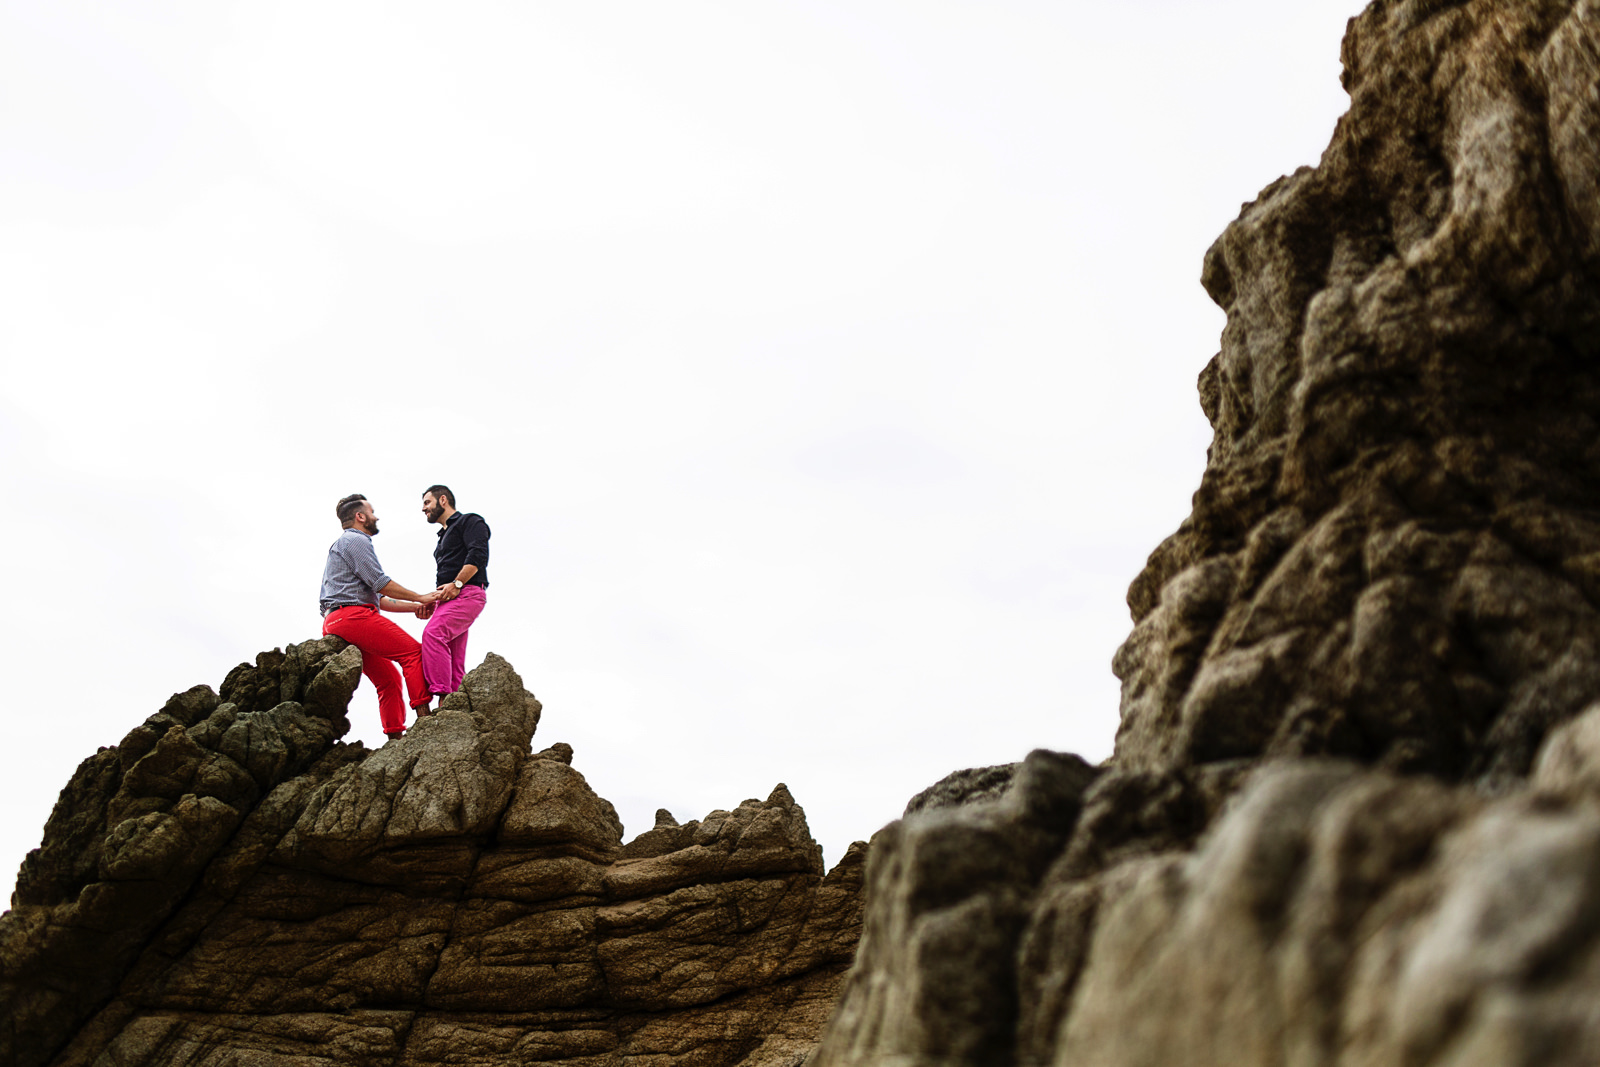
1351 814
233 884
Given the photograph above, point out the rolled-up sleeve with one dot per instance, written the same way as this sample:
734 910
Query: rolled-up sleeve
475 537
363 561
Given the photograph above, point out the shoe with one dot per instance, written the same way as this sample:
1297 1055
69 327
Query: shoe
392 734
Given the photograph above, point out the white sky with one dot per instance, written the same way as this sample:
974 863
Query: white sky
825 370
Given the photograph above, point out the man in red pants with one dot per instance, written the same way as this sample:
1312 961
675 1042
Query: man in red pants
354 587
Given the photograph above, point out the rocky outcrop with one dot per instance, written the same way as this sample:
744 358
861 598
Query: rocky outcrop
1353 815
231 884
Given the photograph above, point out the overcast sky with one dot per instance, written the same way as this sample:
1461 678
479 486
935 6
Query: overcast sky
825 371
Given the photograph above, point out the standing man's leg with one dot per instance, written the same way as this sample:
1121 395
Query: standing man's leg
458 647
458 660
376 637
442 662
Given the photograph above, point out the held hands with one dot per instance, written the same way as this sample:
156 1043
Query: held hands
447 591
423 611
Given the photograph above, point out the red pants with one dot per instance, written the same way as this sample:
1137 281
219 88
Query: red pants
381 642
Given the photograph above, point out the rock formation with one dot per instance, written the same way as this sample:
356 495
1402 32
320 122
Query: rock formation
1352 818
1353 815
233 885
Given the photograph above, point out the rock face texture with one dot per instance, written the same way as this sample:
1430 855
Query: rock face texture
1353 816
231 885
1352 819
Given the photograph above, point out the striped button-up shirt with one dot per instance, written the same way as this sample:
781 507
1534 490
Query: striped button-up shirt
352 574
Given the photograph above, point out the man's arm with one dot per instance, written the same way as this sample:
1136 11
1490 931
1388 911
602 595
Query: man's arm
358 553
448 590
399 592
406 607
476 538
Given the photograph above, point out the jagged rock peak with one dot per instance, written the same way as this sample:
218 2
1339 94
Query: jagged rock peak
233 884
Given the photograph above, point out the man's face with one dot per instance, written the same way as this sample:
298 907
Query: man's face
431 508
367 519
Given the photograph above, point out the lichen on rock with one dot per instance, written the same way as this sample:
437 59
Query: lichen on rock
233 884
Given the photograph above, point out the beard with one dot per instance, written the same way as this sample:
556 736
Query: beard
370 527
433 513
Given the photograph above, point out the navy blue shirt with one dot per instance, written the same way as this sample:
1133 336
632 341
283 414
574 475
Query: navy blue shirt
463 540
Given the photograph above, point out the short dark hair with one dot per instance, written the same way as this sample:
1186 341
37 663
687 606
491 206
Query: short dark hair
347 508
439 491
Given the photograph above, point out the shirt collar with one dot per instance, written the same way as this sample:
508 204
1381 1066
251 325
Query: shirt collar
445 525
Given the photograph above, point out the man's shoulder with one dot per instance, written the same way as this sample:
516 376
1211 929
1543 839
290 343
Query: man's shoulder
350 537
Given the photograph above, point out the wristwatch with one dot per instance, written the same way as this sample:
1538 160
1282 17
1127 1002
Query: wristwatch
459 584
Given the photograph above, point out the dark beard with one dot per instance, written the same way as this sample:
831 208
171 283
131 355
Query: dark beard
434 513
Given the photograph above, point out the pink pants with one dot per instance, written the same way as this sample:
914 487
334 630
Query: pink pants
444 640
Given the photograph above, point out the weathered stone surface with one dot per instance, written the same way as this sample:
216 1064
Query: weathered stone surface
951 890
234 885
964 786
1392 552
1353 815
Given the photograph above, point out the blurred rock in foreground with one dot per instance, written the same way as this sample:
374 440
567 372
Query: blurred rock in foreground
1353 817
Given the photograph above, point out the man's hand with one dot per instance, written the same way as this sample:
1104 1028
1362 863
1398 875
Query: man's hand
428 599
448 591
423 610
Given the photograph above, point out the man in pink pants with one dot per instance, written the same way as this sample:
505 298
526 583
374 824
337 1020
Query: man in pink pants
462 562
354 589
